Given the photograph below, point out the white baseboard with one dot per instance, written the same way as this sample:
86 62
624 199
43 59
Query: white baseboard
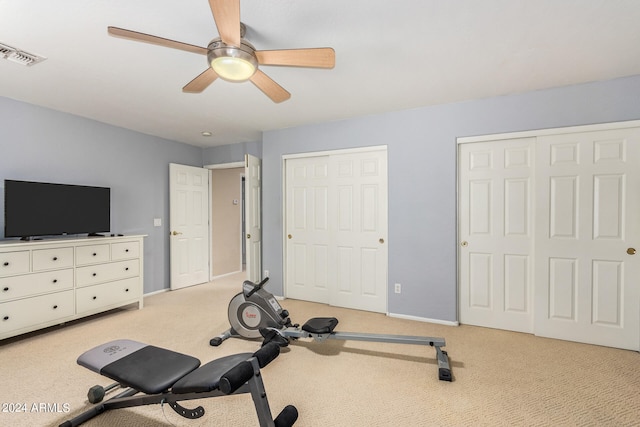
424 319
156 292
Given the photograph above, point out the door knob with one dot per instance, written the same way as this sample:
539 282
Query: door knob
381 240
248 236
289 236
464 243
175 233
631 251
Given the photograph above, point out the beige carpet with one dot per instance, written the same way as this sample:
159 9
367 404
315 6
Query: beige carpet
500 378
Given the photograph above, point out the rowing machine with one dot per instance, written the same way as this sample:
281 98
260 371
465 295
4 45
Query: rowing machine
255 313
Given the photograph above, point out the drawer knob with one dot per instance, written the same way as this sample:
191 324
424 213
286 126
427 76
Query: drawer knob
6 263
94 298
6 289
126 250
55 258
126 290
95 254
5 318
126 269
55 307
55 280
94 274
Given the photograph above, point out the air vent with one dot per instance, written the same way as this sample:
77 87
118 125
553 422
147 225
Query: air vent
19 56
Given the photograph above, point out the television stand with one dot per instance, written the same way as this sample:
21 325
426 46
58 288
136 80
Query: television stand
50 282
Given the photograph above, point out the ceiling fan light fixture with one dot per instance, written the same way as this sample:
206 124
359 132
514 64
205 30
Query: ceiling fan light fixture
231 63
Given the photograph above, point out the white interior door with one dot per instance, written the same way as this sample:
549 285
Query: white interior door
336 226
189 225
495 231
587 274
307 227
253 217
358 201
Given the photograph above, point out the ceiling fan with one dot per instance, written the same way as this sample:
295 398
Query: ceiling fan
234 59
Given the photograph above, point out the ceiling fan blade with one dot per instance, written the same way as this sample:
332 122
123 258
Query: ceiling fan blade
226 13
201 82
142 37
321 57
270 88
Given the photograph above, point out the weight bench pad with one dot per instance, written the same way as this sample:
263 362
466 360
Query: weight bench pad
146 368
207 377
320 325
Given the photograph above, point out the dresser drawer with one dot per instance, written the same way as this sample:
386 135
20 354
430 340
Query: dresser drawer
14 263
92 254
94 298
48 259
37 283
29 312
125 250
93 274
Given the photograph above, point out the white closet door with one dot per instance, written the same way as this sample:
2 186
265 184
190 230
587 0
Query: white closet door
358 201
588 287
336 229
495 231
307 228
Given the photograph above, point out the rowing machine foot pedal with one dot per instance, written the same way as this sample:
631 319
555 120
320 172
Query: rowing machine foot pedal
192 414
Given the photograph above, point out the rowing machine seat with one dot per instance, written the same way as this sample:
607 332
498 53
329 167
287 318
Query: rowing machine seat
320 325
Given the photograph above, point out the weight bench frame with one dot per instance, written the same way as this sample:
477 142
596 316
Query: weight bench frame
244 377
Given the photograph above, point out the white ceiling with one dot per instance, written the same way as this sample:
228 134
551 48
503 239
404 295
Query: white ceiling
390 55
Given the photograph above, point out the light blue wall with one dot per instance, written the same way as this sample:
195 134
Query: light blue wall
38 144
422 176
44 145
231 153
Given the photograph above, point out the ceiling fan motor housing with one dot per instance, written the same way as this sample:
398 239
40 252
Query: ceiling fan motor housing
232 63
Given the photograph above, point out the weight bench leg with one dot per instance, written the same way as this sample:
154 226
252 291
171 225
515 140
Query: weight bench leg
96 410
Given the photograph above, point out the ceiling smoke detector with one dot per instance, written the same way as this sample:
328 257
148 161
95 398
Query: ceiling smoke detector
19 56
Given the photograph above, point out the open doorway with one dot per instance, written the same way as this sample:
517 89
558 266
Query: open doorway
228 246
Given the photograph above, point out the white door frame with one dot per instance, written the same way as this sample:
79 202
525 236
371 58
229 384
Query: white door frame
284 190
230 165
549 131
243 164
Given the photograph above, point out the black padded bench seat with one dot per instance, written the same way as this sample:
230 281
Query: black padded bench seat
207 377
152 369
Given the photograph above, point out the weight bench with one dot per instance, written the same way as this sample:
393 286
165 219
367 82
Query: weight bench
165 376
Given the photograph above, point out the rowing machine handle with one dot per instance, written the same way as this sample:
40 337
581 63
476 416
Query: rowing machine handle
256 288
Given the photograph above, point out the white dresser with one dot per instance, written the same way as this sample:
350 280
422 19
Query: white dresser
52 281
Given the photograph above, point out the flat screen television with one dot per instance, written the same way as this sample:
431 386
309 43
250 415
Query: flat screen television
45 209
